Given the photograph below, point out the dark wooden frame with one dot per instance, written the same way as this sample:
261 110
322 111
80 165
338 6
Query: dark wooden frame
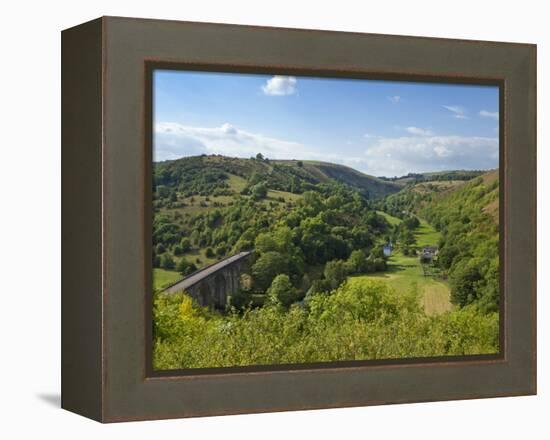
106 215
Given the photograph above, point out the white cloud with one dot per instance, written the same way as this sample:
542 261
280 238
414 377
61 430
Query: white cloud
487 114
280 86
419 131
458 112
400 155
174 140
228 129
395 99
379 156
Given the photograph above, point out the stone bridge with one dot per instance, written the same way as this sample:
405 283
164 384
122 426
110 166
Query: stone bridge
212 285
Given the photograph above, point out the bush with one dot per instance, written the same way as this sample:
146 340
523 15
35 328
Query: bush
185 244
185 267
335 273
267 267
259 191
358 321
167 262
357 262
281 291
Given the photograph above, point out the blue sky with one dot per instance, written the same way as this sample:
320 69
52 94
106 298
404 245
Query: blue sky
378 127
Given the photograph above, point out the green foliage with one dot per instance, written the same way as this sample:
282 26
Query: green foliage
366 320
357 262
267 267
335 273
469 248
167 262
311 225
185 267
412 178
281 291
259 191
185 244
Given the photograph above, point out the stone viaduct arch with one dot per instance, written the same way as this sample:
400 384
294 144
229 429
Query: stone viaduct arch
212 285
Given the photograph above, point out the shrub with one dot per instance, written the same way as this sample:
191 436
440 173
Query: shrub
281 291
185 267
362 320
167 262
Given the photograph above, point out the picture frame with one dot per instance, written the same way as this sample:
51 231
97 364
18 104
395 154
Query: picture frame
107 372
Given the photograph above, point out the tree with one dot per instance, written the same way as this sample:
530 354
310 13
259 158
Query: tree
281 291
259 156
156 261
185 244
335 273
185 267
221 250
317 286
267 267
464 281
167 262
163 191
259 191
241 299
357 262
446 255
407 237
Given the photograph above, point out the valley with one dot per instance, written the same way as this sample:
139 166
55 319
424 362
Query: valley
329 242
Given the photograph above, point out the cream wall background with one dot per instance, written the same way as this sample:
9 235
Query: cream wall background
30 219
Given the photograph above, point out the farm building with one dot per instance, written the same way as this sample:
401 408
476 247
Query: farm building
428 253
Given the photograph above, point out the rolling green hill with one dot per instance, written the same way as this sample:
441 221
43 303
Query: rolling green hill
321 285
217 175
435 176
465 214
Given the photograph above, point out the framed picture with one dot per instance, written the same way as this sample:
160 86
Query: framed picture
264 219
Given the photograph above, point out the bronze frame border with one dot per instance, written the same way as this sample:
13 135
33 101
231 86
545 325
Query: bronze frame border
104 279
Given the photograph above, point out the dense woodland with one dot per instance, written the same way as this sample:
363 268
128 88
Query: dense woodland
318 231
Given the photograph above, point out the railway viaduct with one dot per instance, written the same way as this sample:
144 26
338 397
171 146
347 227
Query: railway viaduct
212 285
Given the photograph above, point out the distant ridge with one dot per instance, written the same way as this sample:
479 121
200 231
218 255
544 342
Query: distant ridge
278 174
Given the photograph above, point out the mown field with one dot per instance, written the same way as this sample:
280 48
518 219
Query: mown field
404 273
163 278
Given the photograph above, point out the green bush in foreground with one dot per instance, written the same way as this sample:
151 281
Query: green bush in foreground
355 322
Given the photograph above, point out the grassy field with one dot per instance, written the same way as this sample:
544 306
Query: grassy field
164 278
389 218
426 235
404 273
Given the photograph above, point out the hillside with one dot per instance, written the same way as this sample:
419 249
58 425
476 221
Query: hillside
419 194
321 285
226 174
466 216
435 176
